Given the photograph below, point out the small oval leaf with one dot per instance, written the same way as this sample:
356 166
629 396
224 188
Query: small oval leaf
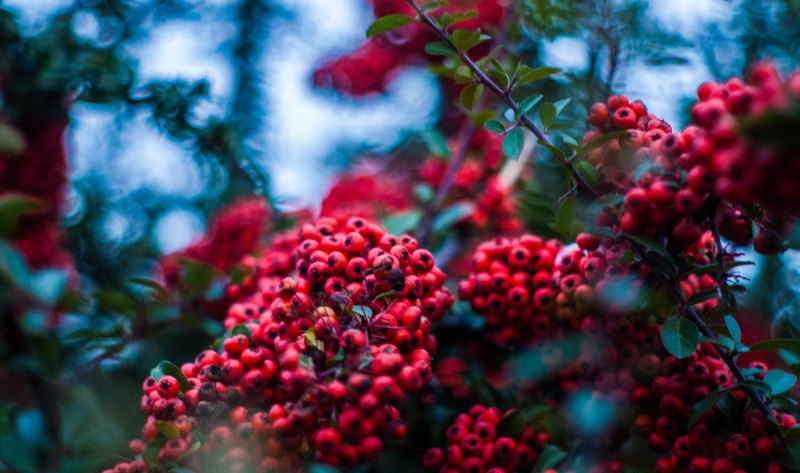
680 337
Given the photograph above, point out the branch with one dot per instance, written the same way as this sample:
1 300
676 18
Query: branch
459 154
505 95
690 313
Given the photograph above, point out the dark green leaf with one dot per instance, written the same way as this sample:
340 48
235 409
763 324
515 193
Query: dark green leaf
549 458
652 245
733 328
777 344
168 430
512 424
565 216
547 114
680 337
527 104
536 74
705 405
13 206
588 173
499 72
779 381
242 330
716 267
513 142
471 95
437 48
556 152
165 368
467 39
12 142
703 296
495 126
433 5
388 23
601 232
449 19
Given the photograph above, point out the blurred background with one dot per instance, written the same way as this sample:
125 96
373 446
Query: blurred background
183 106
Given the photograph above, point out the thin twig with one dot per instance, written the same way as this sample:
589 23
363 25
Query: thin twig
459 154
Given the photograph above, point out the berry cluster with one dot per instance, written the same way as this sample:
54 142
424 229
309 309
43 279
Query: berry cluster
476 444
675 183
369 69
236 230
746 170
324 357
707 445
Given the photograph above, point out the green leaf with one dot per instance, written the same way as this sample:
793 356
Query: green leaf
13 267
776 344
495 126
556 152
703 296
527 104
549 458
168 430
601 232
716 267
452 215
565 216
779 381
449 19
560 105
705 405
547 114
512 424
468 39
398 224
437 48
242 330
388 23
733 328
471 95
12 142
530 75
680 337
165 368
437 143
513 142
654 246
424 193
499 72
362 310
433 5
463 75
14 206
588 173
